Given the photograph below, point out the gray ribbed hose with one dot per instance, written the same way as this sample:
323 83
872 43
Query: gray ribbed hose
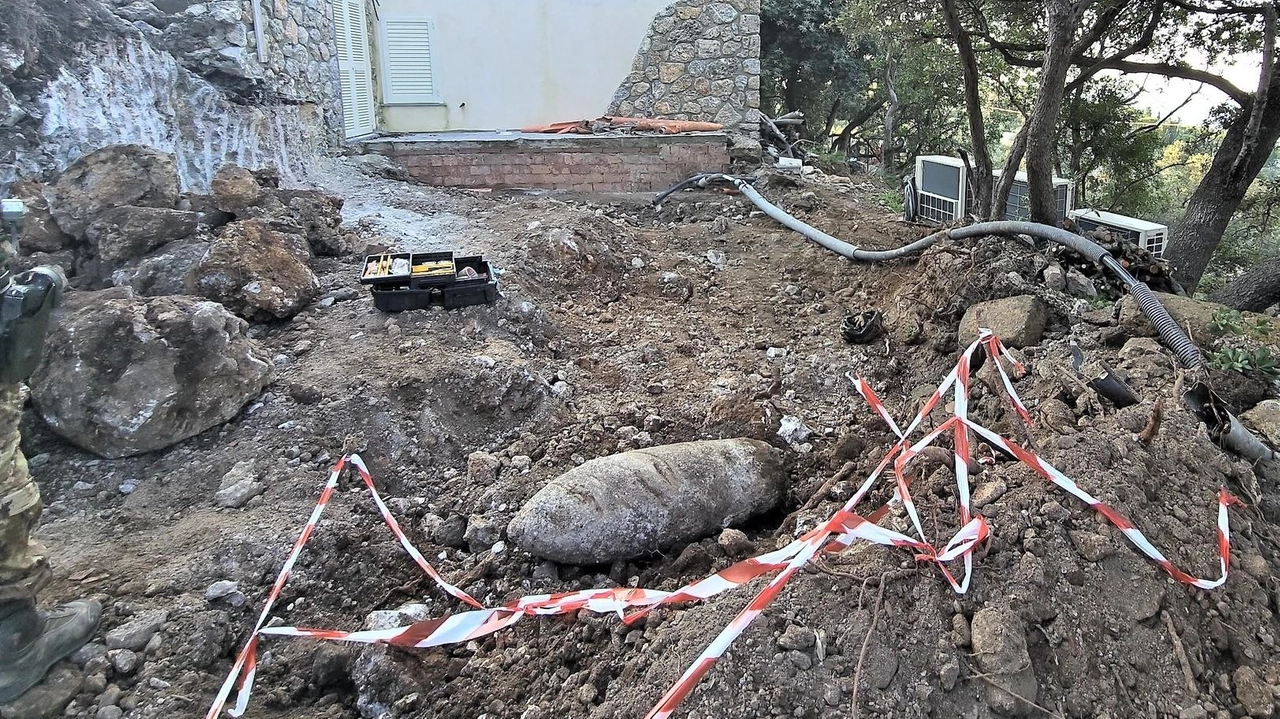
1236 436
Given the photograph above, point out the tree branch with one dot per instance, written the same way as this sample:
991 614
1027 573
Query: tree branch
1264 86
1184 72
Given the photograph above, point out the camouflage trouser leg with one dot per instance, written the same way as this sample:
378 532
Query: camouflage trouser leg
24 564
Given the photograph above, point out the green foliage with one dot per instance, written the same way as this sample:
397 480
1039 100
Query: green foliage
1227 321
810 64
1252 237
1259 360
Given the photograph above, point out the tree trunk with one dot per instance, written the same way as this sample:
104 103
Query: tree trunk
890 118
973 106
1255 290
1000 200
1194 238
1042 126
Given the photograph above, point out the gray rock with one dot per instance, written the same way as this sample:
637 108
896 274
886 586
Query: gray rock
111 177
125 661
640 502
221 588
1253 693
84 654
46 699
1018 321
40 233
163 271
735 543
110 712
376 165
1054 278
797 637
238 486
988 492
482 533
483 468
1079 285
135 634
126 233
1000 648
162 369
319 216
11 113
257 272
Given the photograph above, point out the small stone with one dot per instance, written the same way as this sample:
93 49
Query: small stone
220 589
1253 693
239 494
84 654
482 533
1195 711
797 637
546 572
961 634
1054 278
988 492
655 388
1000 649
800 659
135 634
735 543
95 683
1079 285
587 694
521 462
716 258
483 467
110 712
124 661
1256 566
1092 547
948 673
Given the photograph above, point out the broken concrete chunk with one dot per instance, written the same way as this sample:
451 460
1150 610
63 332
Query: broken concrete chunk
1000 648
113 176
1018 321
162 369
640 502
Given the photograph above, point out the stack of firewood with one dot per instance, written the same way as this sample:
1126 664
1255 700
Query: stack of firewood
781 135
1139 262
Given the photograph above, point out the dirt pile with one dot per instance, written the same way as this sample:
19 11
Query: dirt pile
701 320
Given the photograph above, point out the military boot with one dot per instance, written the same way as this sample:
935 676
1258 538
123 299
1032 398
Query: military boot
32 641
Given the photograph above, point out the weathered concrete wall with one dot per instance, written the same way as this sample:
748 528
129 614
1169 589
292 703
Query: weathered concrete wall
700 61
580 163
503 64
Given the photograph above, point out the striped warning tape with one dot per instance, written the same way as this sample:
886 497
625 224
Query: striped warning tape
836 533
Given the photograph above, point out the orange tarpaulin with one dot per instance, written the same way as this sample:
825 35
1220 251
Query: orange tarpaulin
641 124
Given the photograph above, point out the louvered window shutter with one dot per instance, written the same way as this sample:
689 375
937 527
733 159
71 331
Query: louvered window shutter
355 77
408 75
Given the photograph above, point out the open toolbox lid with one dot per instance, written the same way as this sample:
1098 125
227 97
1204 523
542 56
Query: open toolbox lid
420 268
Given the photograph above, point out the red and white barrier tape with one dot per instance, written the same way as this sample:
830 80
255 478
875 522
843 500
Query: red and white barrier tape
837 533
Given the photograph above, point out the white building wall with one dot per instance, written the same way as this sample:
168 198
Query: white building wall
505 64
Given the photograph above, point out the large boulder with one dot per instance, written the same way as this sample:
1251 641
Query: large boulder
640 502
164 270
129 375
113 176
128 232
319 215
1018 321
256 271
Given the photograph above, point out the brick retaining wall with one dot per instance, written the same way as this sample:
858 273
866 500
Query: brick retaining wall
586 163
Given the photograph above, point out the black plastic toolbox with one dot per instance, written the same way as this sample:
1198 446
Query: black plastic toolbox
414 259
482 290
402 297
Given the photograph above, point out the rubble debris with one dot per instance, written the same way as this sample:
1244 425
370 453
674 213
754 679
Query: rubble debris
1265 417
163 369
256 271
635 503
238 486
1018 321
624 124
111 177
1000 649
137 633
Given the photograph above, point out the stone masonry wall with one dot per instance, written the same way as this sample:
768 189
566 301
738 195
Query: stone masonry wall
583 164
699 61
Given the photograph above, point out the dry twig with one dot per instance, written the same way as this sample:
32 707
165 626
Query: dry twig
1181 653
866 642
1149 432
